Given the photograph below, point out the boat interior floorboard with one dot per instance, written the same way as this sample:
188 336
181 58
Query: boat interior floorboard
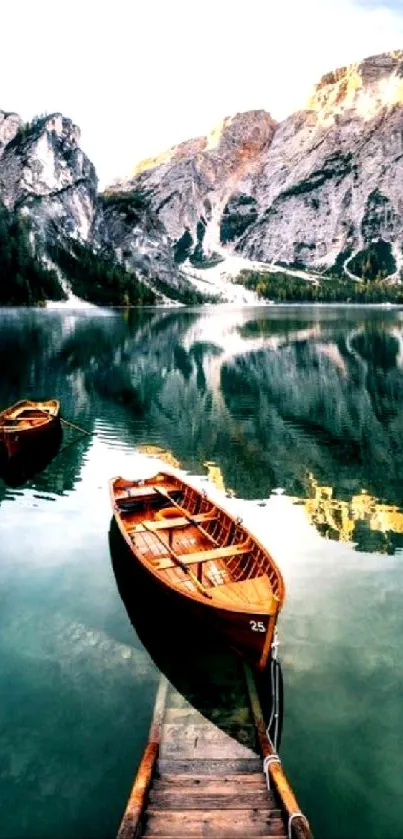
192 544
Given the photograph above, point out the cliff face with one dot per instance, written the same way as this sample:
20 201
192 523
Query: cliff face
188 188
9 125
330 183
46 178
45 175
126 229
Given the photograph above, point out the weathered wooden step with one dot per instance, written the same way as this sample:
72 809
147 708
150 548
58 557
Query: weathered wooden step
212 823
216 716
207 741
210 783
248 766
183 800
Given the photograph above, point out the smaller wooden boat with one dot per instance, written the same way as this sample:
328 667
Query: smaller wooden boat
202 560
27 423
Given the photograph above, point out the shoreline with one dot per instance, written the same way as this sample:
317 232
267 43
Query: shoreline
107 311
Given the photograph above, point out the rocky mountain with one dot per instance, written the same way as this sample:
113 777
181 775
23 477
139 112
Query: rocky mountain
312 191
189 187
318 192
46 176
330 183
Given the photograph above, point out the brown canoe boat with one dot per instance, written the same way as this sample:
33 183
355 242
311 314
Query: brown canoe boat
27 423
202 559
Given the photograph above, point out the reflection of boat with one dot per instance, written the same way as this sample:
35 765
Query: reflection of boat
31 460
208 681
27 423
203 560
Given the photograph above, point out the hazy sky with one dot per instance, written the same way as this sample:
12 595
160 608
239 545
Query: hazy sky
139 76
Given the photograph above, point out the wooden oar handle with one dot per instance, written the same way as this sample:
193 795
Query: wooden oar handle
179 562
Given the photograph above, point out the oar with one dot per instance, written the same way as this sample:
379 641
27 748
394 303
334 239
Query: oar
178 561
186 515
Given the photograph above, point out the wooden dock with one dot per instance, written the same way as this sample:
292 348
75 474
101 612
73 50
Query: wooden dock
211 770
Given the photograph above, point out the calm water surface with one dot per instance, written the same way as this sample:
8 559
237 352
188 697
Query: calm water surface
297 414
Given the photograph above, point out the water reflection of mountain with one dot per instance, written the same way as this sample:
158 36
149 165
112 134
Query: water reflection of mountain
270 396
370 525
53 470
329 405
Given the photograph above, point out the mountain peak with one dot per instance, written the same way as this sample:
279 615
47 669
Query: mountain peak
250 128
365 87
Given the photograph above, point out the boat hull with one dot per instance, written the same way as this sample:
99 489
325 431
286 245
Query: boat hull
22 440
237 628
30 459
15 442
228 609
234 628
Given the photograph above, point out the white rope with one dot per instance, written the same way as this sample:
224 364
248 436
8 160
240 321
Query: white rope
275 691
266 763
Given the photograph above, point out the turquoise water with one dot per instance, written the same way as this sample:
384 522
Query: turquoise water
296 414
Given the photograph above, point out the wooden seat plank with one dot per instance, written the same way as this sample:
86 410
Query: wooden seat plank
142 492
206 556
171 524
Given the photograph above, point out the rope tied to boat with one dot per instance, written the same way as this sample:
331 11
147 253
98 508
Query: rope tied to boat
275 644
275 692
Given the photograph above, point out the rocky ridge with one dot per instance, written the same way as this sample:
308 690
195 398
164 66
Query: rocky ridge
189 187
313 193
326 182
308 193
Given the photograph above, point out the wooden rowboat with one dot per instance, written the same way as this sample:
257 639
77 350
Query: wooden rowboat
203 559
27 423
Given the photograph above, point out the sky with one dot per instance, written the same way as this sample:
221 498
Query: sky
138 77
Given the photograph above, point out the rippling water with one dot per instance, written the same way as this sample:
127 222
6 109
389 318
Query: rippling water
297 415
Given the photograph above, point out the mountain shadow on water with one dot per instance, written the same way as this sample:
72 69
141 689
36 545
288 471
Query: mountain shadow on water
205 671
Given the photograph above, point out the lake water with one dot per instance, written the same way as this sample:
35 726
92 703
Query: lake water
296 413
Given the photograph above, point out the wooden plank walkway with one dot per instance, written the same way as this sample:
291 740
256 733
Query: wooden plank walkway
202 775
